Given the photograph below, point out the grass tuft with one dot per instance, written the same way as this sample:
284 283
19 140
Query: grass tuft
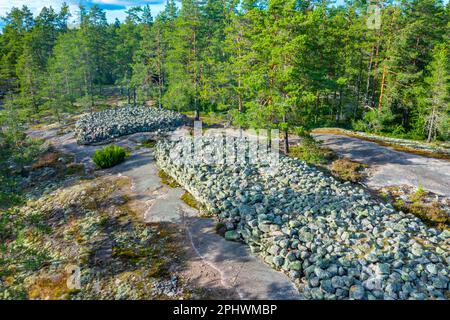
109 156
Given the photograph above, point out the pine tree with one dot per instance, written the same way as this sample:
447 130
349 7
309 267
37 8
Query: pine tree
184 63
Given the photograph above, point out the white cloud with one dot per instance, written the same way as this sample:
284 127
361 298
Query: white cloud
36 6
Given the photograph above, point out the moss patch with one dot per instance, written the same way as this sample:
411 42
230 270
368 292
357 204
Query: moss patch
348 170
50 288
75 168
418 203
190 200
150 143
88 225
430 213
167 180
220 228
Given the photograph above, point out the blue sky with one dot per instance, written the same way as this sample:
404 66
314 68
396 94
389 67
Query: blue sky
113 8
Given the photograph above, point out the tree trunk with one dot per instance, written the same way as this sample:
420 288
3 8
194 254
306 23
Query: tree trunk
383 78
317 106
286 135
431 125
92 95
358 90
369 70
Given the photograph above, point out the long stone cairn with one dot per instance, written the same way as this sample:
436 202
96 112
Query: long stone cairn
112 123
332 238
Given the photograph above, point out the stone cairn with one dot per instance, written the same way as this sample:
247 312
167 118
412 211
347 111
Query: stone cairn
112 123
332 238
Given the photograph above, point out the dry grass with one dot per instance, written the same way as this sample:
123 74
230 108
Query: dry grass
50 288
48 159
348 170
431 213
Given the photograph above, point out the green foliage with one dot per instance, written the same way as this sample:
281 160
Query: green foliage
311 151
419 194
17 151
279 64
109 156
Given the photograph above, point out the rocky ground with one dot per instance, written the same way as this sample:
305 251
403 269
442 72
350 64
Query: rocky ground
438 149
131 235
332 238
390 167
112 123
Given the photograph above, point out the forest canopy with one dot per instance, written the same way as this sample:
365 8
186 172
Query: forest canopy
277 63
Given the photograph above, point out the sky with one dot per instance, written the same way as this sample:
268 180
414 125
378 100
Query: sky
113 8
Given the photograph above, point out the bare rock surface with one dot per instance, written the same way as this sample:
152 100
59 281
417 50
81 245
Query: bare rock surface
212 261
391 167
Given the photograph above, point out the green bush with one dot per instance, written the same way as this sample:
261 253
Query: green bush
311 151
109 156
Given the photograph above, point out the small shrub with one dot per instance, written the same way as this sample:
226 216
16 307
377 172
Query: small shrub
419 194
311 151
360 125
347 169
109 156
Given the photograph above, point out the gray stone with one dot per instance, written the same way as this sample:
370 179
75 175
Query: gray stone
431 268
232 235
382 268
278 261
321 274
357 292
314 282
295 265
